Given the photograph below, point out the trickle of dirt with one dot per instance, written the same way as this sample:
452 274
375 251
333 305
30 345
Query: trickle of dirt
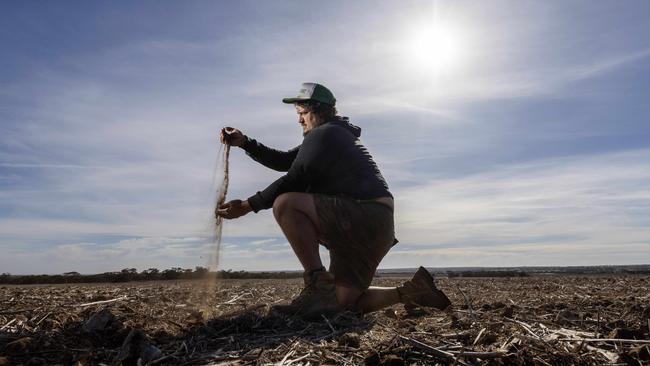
221 199
210 283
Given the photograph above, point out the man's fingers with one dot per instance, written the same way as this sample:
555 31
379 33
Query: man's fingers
229 210
231 136
224 213
225 134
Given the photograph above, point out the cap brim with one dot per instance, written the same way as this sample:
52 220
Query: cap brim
294 100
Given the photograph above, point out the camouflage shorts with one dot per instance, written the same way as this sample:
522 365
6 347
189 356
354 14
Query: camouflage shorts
358 234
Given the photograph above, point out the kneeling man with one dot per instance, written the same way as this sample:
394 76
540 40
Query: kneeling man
333 194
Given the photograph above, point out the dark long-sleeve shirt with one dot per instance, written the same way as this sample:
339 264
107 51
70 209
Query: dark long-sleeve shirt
331 160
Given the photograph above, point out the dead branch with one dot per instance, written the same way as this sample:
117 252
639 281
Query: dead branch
427 348
591 340
297 359
478 336
10 312
242 311
43 318
610 356
483 355
290 353
103 302
328 323
234 299
526 327
8 324
469 304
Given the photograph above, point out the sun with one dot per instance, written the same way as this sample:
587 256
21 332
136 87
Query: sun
435 49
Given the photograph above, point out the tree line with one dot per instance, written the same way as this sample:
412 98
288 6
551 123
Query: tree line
151 274
487 274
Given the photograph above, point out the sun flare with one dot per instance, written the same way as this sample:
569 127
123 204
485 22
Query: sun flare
435 49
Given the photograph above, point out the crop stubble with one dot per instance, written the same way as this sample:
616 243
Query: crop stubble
534 320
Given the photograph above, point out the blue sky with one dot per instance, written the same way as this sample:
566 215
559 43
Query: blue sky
511 133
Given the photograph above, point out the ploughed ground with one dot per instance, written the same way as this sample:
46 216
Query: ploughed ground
557 320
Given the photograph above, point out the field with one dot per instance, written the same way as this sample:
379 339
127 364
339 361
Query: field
556 320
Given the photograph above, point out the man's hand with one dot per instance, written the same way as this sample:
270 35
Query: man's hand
233 209
232 136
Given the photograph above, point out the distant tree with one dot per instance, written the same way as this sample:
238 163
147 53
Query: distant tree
151 274
172 273
5 277
151 271
200 272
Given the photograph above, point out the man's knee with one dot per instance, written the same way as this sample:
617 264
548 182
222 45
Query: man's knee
293 201
281 203
285 202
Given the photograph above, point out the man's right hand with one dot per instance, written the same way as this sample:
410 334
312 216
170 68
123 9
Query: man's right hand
233 209
232 136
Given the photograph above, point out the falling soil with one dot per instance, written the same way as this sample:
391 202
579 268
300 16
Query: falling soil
224 151
210 283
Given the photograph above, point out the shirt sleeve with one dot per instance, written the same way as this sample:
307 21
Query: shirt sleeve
311 160
269 157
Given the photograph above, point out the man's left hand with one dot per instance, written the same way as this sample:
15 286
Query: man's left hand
233 209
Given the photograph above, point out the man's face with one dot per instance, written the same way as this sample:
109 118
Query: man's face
306 119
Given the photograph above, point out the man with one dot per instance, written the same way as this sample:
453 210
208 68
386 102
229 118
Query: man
333 194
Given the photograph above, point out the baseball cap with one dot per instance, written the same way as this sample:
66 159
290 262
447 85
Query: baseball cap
313 91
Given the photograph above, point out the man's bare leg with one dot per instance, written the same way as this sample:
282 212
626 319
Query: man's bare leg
296 214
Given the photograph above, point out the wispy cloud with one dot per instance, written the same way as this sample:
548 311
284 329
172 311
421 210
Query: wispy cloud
558 254
569 201
263 241
52 166
146 252
607 65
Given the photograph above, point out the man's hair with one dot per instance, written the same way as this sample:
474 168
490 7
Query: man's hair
324 112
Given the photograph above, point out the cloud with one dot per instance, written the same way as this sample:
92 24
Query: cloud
560 254
264 241
145 252
53 166
535 81
95 257
550 207
609 64
548 212
118 136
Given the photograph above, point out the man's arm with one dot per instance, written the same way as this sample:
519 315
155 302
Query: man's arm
312 159
270 158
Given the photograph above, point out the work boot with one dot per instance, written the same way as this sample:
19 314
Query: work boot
318 297
421 291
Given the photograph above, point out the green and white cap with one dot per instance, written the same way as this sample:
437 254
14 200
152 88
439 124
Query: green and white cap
313 91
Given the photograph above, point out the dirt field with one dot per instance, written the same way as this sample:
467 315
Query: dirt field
522 321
